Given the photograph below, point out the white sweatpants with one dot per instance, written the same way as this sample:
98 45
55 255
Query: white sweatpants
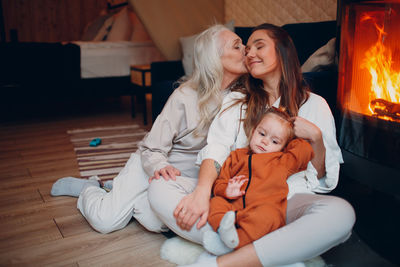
107 212
315 223
164 196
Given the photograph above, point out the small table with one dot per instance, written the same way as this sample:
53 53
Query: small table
141 84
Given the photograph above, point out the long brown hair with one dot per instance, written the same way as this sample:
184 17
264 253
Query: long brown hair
292 90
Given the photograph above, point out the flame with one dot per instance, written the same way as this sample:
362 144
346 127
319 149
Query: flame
385 81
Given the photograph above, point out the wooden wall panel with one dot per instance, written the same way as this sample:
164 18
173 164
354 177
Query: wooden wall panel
49 20
167 20
279 12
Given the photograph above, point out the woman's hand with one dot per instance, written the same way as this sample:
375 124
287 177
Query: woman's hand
306 130
309 131
168 172
192 207
233 191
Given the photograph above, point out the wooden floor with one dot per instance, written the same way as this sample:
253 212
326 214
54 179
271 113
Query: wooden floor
39 230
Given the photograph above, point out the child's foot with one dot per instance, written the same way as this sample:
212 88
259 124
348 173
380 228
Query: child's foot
70 186
213 243
227 230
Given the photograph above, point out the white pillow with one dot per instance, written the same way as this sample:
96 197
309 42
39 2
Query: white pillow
324 56
230 25
187 44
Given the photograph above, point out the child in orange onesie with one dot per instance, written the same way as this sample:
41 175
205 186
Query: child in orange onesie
250 192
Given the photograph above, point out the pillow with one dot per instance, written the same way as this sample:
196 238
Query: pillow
187 44
122 28
321 58
230 25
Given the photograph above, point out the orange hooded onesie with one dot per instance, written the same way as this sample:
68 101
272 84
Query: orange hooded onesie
262 209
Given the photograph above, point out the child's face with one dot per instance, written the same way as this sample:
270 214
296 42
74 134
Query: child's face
270 135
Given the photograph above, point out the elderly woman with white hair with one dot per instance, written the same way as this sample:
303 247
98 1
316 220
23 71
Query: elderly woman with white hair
171 147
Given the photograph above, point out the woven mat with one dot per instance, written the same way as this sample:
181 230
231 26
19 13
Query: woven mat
107 159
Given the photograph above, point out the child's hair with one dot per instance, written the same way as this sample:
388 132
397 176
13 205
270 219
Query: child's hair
281 113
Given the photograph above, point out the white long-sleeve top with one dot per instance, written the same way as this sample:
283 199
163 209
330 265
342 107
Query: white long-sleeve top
171 140
226 134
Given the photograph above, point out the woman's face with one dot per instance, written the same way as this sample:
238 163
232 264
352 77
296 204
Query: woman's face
232 59
261 58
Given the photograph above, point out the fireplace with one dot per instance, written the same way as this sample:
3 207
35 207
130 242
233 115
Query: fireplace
369 80
369 122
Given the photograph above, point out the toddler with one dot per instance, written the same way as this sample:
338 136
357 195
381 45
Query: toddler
250 192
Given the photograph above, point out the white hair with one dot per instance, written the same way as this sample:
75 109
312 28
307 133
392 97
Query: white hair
208 74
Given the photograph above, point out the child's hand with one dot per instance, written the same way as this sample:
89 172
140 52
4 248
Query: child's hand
233 191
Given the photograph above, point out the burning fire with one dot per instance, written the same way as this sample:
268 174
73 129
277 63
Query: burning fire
384 97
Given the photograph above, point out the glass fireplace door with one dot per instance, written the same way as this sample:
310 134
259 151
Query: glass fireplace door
369 80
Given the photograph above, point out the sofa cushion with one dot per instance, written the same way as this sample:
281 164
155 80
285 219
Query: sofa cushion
166 71
244 33
323 83
160 94
322 58
308 37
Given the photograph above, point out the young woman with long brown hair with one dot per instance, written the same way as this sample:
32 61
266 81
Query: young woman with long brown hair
315 222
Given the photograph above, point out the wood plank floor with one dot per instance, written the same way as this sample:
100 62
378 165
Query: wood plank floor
39 230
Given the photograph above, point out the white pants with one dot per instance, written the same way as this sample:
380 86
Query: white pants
107 212
164 196
315 223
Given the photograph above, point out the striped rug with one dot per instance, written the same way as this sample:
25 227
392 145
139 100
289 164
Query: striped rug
107 159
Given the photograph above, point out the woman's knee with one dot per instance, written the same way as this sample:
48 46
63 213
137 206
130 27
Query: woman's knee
103 227
155 192
341 215
348 215
164 196
106 224
99 216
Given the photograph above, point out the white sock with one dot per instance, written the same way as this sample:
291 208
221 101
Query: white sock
227 230
108 184
205 259
70 186
213 243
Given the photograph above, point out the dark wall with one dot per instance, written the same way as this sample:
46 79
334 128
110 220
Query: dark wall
48 20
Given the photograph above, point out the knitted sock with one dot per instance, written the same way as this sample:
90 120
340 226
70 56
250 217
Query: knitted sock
227 230
213 243
70 186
